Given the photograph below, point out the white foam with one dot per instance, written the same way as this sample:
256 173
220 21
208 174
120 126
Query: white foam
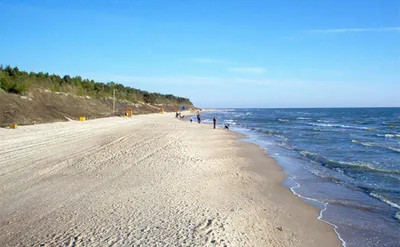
394 149
305 153
340 126
282 137
383 199
370 144
325 204
389 135
366 144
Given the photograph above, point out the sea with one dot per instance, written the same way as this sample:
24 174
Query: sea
345 161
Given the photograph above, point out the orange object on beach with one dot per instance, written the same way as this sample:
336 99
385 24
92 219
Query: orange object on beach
128 112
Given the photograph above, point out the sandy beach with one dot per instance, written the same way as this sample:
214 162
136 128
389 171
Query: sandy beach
151 180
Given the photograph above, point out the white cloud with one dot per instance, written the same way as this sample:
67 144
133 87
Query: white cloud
348 30
209 60
249 70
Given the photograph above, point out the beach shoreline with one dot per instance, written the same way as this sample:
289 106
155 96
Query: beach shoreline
147 180
328 167
261 170
273 165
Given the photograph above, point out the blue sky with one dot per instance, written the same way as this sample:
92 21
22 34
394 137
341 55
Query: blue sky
328 53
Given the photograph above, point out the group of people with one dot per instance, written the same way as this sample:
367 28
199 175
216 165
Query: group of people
226 125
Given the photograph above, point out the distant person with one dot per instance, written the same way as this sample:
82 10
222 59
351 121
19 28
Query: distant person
191 120
198 118
176 115
226 127
214 122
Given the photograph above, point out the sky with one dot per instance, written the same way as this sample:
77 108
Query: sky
220 54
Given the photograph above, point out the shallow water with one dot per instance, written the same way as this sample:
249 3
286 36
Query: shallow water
344 161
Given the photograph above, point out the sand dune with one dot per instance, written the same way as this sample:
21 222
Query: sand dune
147 181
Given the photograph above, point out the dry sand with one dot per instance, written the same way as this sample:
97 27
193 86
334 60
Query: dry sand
147 181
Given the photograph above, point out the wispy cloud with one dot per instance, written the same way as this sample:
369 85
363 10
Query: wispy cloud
209 60
352 30
249 70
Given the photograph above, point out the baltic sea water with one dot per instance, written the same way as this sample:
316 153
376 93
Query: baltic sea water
345 161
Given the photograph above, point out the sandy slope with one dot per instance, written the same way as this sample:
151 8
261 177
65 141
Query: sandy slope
147 181
44 106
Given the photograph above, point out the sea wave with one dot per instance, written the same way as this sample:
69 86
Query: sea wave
230 121
283 120
394 149
282 137
341 164
340 126
385 200
397 216
324 121
324 130
369 167
370 144
389 135
303 118
285 145
366 144
270 132
391 125
364 122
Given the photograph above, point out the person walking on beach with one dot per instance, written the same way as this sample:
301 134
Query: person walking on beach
198 118
214 122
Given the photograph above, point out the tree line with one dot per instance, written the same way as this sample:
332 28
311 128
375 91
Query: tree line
13 80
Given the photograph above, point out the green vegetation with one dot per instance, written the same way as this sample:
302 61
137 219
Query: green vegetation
13 80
